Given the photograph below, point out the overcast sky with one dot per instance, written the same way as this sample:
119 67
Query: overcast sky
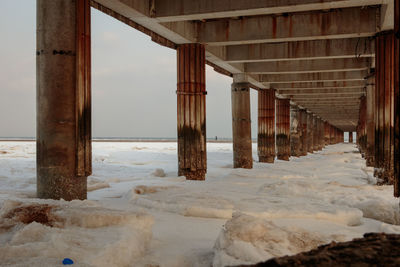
133 80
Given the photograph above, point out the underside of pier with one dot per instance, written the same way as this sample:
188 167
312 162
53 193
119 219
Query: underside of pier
321 68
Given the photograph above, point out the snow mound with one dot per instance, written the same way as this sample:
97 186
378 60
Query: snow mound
175 200
248 240
159 173
43 233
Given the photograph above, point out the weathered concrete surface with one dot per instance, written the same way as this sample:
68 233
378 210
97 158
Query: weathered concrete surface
241 126
370 124
358 75
334 24
397 99
178 10
307 66
315 49
191 101
266 126
295 131
63 99
304 133
283 129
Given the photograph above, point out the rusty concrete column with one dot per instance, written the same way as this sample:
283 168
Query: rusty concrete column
310 133
283 128
351 137
384 137
332 135
241 125
396 130
303 136
63 99
295 131
266 126
191 111
315 133
370 123
361 135
326 133
321 134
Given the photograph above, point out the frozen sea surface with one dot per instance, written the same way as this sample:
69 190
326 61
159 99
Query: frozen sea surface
140 213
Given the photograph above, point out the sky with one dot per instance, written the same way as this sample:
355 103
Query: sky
133 80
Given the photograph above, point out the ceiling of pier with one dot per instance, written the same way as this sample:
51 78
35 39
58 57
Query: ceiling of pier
318 53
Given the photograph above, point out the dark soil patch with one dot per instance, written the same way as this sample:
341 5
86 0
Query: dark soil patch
374 249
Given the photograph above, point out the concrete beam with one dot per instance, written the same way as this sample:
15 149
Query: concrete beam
322 91
334 24
326 97
178 10
315 49
312 85
307 66
314 77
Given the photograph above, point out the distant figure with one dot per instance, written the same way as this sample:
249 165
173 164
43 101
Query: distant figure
216 138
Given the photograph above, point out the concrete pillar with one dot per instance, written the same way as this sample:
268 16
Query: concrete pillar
191 112
326 133
332 135
266 126
310 133
351 137
283 129
315 132
303 136
63 99
397 99
295 131
370 123
321 133
384 140
361 136
241 125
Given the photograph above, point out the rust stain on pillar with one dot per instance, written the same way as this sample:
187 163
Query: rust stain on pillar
63 99
396 131
283 129
384 135
303 133
191 115
295 131
361 126
266 126
241 126
370 122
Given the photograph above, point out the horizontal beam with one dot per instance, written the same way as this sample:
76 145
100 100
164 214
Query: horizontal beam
307 66
331 103
312 85
178 10
300 50
322 91
334 24
314 77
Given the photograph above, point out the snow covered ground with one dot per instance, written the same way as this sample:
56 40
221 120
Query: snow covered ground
140 213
